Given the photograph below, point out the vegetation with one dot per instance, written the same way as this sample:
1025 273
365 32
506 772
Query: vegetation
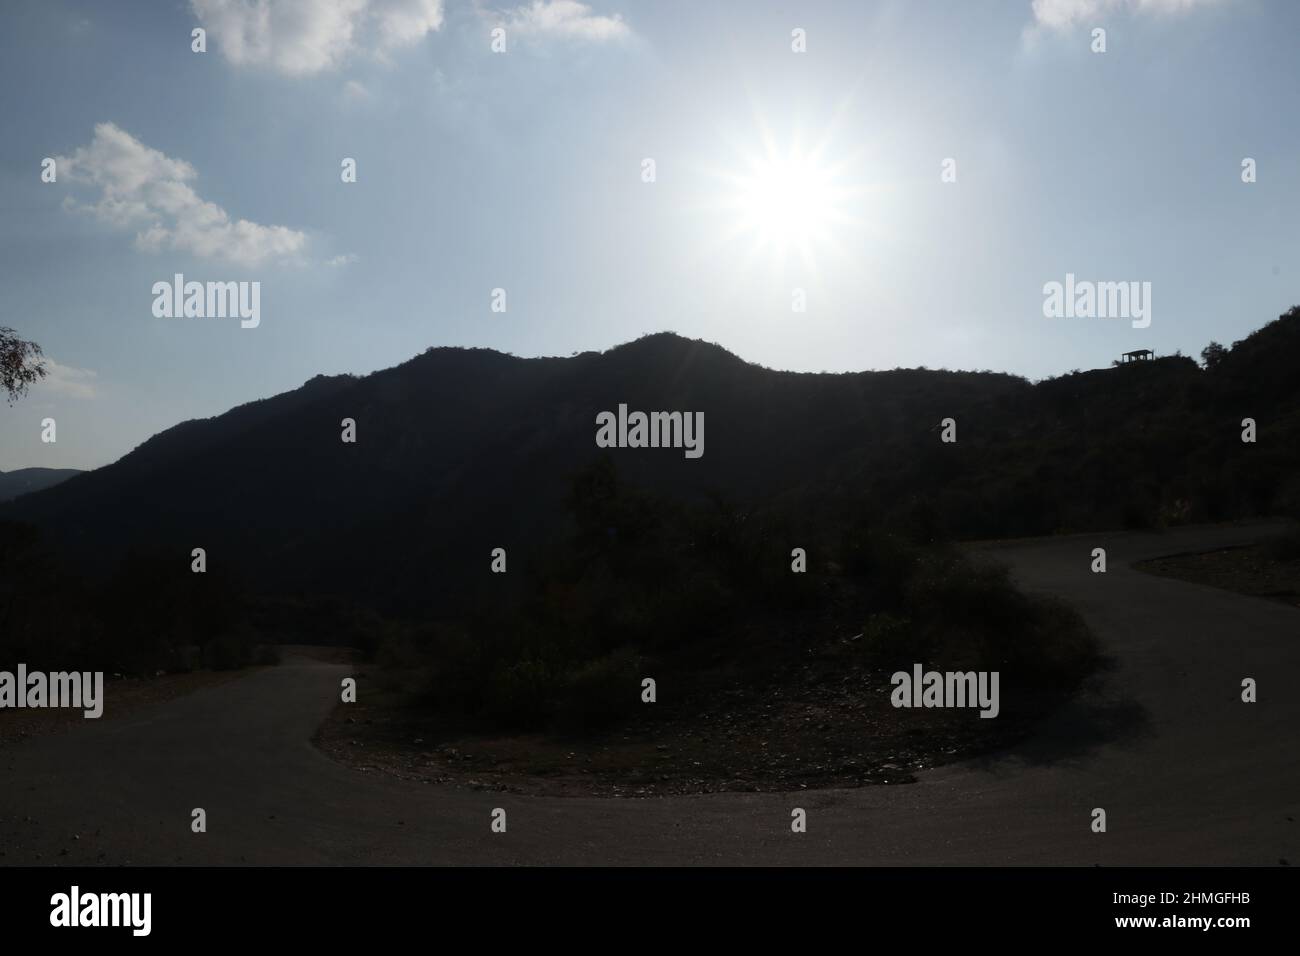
657 564
20 364
149 615
700 594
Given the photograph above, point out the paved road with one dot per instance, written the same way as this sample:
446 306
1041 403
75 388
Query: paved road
1186 772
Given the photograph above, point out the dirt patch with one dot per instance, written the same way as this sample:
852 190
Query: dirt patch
829 724
1253 570
122 696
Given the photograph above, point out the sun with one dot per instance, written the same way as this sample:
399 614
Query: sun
786 204
787 201
795 200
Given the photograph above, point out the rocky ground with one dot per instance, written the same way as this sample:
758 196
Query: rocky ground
828 724
1255 570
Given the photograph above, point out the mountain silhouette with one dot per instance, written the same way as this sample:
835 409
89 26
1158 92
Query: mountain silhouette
26 480
459 451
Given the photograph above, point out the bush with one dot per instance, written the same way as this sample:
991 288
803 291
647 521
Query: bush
599 692
708 589
229 652
522 692
962 614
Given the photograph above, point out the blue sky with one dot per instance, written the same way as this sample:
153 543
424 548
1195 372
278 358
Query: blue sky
523 171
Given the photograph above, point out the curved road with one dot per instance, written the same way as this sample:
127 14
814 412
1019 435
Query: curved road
1187 773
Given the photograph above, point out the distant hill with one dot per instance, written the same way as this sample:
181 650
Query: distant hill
460 451
25 480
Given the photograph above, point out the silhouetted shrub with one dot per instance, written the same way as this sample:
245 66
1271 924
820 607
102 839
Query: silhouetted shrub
600 692
962 614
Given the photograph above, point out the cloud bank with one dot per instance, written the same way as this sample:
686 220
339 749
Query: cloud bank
141 188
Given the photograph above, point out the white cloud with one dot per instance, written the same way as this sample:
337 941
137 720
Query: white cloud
66 380
354 92
1063 14
302 37
343 260
406 22
141 188
566 18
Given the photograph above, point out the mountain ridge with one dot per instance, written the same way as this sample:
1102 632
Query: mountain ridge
22 481
462 450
